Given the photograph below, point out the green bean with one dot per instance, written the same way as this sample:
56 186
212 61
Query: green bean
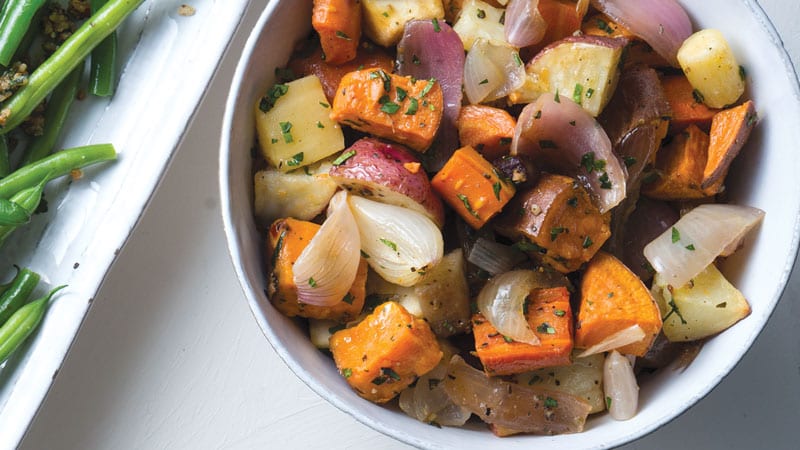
4 287
63 61
13 214
54 117
53 166
17 294
22 323
5 161
14 23
27 198
103 73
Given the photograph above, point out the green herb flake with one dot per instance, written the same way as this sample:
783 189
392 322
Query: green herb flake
690 247
324 105
344 157
312 282
484 81
467 205
604 26
550 402
497 187
401 94
341 35
557 98
528 246
347 372
587 242
698 96
538 115
556 231
629 161
674 310
286 131
608 402
517 59
274 141
436 26
413 106
505 141
348 298
546 328
503 18
389 244
320 125
559 313
605 182
415 60
385 14
278 247
390 107
481 14
275 92
573 202
577 94
676 235
364 254
589 93
427 87
507 339
295 160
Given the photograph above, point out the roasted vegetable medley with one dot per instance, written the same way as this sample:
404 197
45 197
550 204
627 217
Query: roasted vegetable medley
508 211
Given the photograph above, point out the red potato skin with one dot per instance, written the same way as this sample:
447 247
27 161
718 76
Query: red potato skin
389 173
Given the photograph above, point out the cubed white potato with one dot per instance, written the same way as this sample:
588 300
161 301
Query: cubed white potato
384 20
293 125
583 379
301 194
703 307
320 331
479 20
710 65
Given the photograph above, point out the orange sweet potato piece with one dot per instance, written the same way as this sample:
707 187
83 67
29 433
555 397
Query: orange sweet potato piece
549 316
562 20
338 23
287 239
556 223
486 129
614 298
385 352
730 129
369 56
472 187
686 110
394 107
680 166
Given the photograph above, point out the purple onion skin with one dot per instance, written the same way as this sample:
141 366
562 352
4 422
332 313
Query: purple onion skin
426 53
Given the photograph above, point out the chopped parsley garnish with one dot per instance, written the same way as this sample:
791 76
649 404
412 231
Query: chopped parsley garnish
589 93
484 81
676 235
286 129
364 254
577 94
295 160
698 96
481 14
390 107
348 298
517 59
690 247
507 339
312 282
505 140
347 372
415 59
389 244
555 231
387 374
605 182
629 160
278 246
528 246
538 115
320 125
436 26
341 35
557 98
413 105
591 164
546 328
428 86
674 309
344 157
387 81
324 105
573 202
608 402
560 313
587 242
467 205
274 93
503 18
401 94
496 187
550 402
604 26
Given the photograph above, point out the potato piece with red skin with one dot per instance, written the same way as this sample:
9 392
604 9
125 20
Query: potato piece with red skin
556 222
402 109
388 173
385 352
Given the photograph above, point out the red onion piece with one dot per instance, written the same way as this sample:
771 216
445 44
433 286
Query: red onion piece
663 24
524 25
426 53
560 134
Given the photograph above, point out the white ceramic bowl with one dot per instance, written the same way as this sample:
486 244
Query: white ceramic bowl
167 60
764 176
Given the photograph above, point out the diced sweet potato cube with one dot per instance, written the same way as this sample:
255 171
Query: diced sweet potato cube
338 23
556 223
385 352
472 187
730 129
486 129
562 20
680 167
686 109
549 316
287 239
369 56
398 108
612 299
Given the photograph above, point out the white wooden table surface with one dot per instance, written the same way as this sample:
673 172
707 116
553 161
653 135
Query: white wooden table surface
170 356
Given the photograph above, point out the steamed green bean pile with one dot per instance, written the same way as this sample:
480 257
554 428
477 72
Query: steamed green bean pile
45 49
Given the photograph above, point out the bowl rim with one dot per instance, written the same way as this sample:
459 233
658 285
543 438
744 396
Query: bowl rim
233 235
